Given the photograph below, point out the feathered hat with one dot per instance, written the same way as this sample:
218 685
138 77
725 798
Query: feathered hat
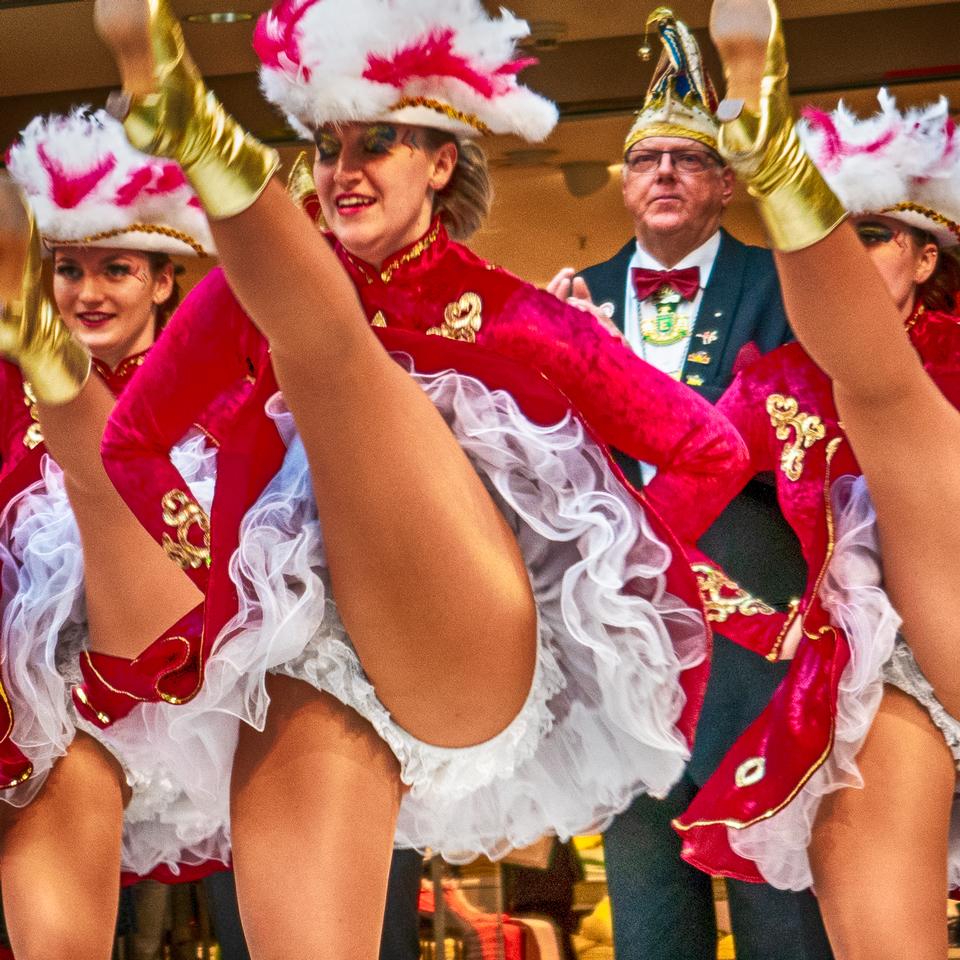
681 100
443 64
903 165
88 187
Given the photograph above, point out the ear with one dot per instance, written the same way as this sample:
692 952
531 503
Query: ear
728 180
444 163
163 284
927 263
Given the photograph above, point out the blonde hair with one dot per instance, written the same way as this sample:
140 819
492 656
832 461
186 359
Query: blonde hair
464 203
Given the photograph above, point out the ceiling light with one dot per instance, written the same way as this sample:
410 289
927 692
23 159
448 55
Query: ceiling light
223 16
585 177
545 35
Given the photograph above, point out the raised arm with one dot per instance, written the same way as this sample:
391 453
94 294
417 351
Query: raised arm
199 358
631 405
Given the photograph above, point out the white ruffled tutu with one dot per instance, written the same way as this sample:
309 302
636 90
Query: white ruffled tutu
852 593
43 632
599 723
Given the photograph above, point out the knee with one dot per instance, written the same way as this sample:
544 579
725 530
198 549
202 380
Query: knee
60 932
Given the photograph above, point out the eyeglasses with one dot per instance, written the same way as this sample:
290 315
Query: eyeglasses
646 162
873 234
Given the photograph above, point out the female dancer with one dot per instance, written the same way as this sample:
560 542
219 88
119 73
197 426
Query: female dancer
863 705
78 572
523 630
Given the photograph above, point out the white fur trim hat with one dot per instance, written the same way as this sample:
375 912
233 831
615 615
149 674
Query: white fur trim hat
902 165
88 187
432 63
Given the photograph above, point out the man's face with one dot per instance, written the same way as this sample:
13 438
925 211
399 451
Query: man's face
683 191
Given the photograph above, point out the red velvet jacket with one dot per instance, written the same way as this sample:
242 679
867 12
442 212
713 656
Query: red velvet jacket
783 406
446 308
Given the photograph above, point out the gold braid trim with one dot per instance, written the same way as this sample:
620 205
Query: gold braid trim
908 206
151 228
417 250
440 107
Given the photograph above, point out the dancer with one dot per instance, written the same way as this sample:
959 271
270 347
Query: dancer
531 651
77 569
870 700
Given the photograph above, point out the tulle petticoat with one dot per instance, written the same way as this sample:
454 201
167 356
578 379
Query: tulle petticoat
43 631
852 593
599 723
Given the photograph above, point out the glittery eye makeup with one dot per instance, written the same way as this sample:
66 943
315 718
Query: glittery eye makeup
328 146
380 138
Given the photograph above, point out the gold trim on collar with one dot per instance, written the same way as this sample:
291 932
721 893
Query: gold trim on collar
417 250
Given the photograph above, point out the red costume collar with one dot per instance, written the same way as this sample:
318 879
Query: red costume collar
409 261
116 380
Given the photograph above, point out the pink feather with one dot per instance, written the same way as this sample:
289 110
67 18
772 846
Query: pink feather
68 190
433 56
275 37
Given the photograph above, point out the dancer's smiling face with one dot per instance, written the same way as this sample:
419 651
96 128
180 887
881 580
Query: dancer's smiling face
904 257
109 298
376 183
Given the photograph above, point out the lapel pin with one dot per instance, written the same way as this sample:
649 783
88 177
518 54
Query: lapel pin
701 356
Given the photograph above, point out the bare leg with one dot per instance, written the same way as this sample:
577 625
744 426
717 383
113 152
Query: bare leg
119 555
317 790
843 315
879 854
428 577
61 859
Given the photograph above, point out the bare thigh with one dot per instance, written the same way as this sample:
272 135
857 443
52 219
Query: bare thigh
314 802
879 855
60 861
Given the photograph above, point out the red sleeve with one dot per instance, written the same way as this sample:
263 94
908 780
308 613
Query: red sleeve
201 355
19 429
631 405
742 618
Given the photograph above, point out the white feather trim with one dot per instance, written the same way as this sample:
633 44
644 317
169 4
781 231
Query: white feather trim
76 173
335 39
905 165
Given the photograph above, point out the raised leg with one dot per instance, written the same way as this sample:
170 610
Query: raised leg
428 578
316 791
844 316
60 859
879 855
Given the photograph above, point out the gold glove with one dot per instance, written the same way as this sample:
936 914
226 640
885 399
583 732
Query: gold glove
167 111
758 136
31 332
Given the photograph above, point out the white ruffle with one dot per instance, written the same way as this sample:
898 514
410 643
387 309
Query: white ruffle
44 630
853 595
599 723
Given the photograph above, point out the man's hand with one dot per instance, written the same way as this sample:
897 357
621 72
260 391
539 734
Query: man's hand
570 288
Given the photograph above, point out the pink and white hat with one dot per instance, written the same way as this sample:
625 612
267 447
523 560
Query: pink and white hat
902 165
88 187
445 64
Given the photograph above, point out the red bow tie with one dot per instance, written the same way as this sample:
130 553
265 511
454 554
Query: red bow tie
647 282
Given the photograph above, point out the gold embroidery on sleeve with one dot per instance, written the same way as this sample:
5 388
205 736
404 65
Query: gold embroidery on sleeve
379 320
722 597
785 414
180 512
34 435
461 320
